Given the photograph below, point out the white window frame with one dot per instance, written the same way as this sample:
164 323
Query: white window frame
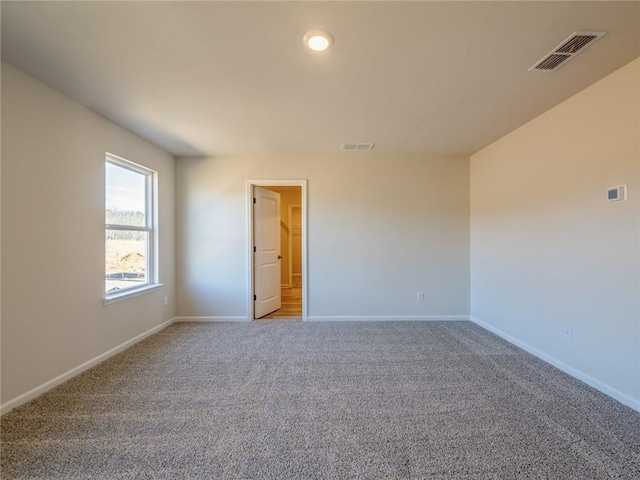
151 227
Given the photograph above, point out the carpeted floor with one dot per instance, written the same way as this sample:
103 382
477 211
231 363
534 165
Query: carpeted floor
277 400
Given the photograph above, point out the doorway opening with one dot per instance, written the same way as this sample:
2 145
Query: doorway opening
277 253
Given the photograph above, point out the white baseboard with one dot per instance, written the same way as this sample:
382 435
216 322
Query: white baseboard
589 380
387 318
45 387
211 319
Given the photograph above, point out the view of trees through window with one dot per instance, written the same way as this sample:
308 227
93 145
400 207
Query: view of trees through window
127 228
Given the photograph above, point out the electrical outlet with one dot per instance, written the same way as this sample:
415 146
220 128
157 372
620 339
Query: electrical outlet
420 296
568 333
166 301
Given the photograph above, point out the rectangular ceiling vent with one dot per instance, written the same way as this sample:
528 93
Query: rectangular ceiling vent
357 146
569 48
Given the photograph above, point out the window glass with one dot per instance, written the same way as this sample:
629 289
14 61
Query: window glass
129 228
126 196
126 259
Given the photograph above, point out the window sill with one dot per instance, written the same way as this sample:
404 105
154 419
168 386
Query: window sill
135 292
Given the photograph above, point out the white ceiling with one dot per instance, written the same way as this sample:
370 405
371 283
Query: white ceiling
214 78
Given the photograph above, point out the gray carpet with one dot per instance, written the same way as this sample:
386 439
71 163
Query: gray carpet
275 400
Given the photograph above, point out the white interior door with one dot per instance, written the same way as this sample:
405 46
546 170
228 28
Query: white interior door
266 237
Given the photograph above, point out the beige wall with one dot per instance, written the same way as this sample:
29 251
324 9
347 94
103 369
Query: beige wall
547 250
53 317
288 196
380 229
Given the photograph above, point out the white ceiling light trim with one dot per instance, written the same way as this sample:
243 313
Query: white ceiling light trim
318 40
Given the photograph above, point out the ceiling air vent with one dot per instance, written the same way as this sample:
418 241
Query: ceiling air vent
572 46
357 146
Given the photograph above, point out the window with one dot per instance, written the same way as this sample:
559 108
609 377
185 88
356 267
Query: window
129 228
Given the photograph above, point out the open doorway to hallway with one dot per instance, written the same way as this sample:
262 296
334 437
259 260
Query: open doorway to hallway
290 252
277 232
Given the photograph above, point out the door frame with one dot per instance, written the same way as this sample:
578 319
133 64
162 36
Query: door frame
302 183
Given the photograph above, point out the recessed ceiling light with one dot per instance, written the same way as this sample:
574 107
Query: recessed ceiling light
318 40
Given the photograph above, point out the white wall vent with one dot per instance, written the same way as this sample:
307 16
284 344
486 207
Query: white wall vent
357 146
569 48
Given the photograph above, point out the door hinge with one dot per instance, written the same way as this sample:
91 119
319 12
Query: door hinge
254 249
254 298
254 199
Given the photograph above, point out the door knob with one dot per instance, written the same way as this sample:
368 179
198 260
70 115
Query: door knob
279 257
